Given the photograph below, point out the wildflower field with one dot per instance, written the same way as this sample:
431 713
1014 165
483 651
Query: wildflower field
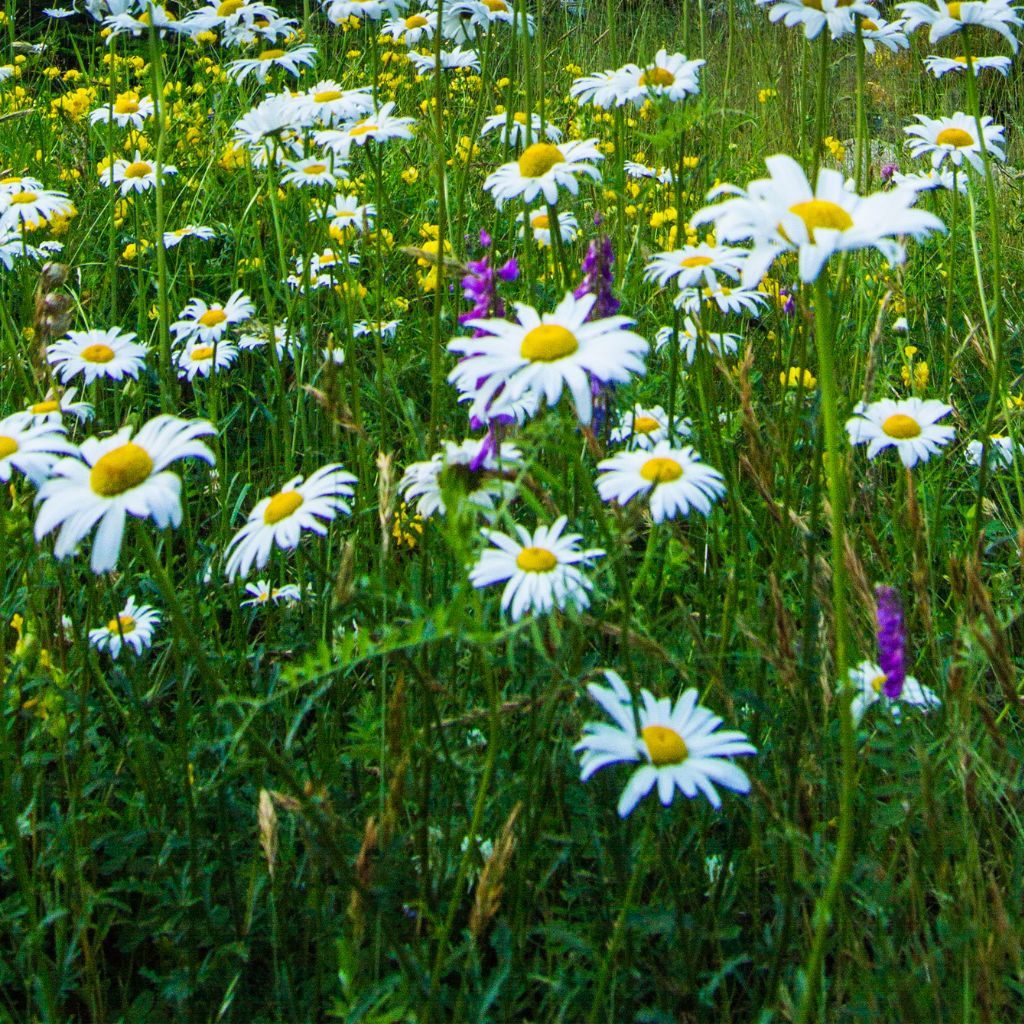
513 511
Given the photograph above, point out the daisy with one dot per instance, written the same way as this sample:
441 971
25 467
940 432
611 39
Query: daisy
118 476
20 206
1000 452
262 593
930 180
127 110
312 171
54 407
539 221
13 247
464 20
326 269
541 353
97 353
908 425
385 328
946 18
451 60
670 76
280 519
940 66
695 266
132 627
153 16
783 213
205 323
31 446
605 89
136 175
955 139
868 679
641 428
814 15
476 470
200 358
889 33
678 746
512 130
347 213
674 480
543 169
372 10
172 239
690 336
286 342
726 299
539 570
269 126
414 29
379 126
260 66
328 103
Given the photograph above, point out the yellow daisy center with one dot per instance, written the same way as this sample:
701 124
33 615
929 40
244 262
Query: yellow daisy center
661 470
645 424
495 5
901 427
541 221
955 137
960 60
867 25
519 117
363 129
122 624
201 353
536 560
138 169
657 76
538 159
120 470
98 353
8 446
270 55
416 21
314 169
821 213
281 506
327 96
664 745
127 103
548 342
228 7
213 318
954 10
877 683
42 408
23 198
696 261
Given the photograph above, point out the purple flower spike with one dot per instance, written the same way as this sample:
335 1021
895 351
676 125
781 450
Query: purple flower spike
597 278
892 640
479 286
888 170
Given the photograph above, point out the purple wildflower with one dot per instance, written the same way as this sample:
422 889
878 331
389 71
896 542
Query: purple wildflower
598 278
888 170
892 640
480 287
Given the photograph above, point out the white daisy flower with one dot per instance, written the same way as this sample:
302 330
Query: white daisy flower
691 336
724 298
539 570
543 169
20 206
512 129
464 20
868 679
604 89
955 139
136 175
416 28
31 446
378 126
695 266
541 353
814 15
152 16
262 593
127 110
56 406
1000 452
312 171
118 476
172 239
260 66
932 179
201 358
673 479
642 428
946 18
385 328
286 341
782 214
371 10
908 425
940 66
96 353
678 746
889 33
347 213
539 221
278 521
328 103
326 269
451 60
268 130
133 627
477 471
207 324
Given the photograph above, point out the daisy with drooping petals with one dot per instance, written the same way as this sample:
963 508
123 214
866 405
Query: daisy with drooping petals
868 680
205 323
30 446
674 480
695 266
539 570
511 129
543 169
119 476
263 593
782 213
55 406
476 471
908 425
678 746
543 353
133 627
278 521
539 221
641 428
96 353
889 33
940 66
955 139
451 60
946 18
260 66
200 358
136 175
